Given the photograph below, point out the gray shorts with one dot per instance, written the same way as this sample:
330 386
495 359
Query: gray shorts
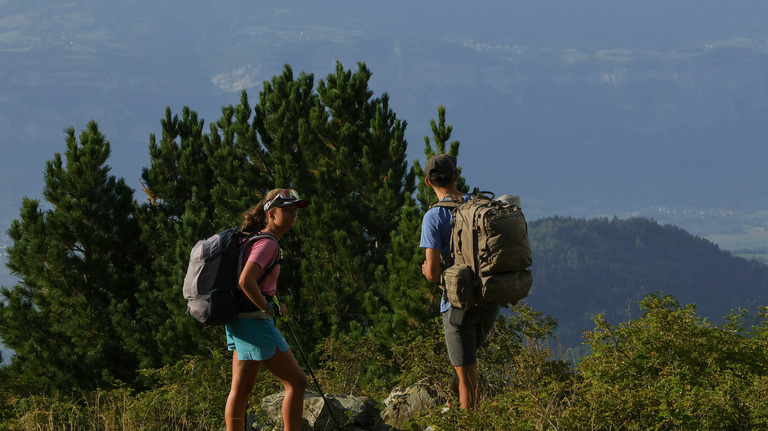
466 331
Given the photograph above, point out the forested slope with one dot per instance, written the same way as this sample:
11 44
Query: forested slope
584 267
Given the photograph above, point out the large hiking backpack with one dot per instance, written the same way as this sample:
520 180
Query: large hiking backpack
491 252
211 286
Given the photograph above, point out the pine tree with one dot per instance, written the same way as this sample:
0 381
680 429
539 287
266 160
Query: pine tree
413 300
177 182
198 184
76 258
365 180
441 134
239 162
289 150
341 148
282 121
345 150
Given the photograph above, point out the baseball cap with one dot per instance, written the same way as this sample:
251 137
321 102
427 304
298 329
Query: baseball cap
440 167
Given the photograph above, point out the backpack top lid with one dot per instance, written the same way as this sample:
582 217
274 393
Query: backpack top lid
510 200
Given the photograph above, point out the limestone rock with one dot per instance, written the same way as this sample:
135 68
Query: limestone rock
351 412
405 403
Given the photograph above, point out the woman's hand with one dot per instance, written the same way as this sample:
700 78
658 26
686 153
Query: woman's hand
283 310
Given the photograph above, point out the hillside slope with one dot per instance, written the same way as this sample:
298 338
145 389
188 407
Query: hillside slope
584 267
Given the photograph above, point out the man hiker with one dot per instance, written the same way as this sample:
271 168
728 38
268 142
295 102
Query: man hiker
465 330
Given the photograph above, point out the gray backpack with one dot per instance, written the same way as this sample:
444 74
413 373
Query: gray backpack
491 253
211 286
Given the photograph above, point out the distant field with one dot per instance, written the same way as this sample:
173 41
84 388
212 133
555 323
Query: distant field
760 257
752 242
745 241
733 230
751 237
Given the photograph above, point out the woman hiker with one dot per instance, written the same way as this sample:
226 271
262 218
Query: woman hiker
252 336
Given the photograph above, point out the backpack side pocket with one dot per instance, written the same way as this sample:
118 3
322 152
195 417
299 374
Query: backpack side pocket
460 286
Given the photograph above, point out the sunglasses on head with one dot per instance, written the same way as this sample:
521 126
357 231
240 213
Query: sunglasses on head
282 196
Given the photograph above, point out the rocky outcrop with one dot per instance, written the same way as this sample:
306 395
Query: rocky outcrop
405 403
350 413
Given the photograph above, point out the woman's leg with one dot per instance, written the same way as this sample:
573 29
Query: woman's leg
284 366
243 378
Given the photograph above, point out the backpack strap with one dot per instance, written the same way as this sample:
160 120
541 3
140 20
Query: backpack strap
451 204
474 194
447 203
465 220
251 238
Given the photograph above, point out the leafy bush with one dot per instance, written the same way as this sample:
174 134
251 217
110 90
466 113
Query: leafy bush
521 386
354 365
363 364
189 395
425 358
667 370
671 369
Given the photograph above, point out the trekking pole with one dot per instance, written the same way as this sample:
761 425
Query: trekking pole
306 361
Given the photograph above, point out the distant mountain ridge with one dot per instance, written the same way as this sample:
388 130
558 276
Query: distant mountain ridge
585 267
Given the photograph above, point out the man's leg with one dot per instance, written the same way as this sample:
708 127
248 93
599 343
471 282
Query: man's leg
468 386
464 333
460 336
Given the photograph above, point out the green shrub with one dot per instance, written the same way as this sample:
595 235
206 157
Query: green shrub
353 365
189 395
424 358
521 386
362 364
667 370
671 369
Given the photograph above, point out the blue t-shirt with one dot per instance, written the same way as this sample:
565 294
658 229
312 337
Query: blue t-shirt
436 234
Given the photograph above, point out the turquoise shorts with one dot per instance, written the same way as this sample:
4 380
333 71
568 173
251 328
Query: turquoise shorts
254 339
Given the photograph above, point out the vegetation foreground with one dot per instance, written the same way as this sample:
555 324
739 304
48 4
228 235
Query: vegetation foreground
670 370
